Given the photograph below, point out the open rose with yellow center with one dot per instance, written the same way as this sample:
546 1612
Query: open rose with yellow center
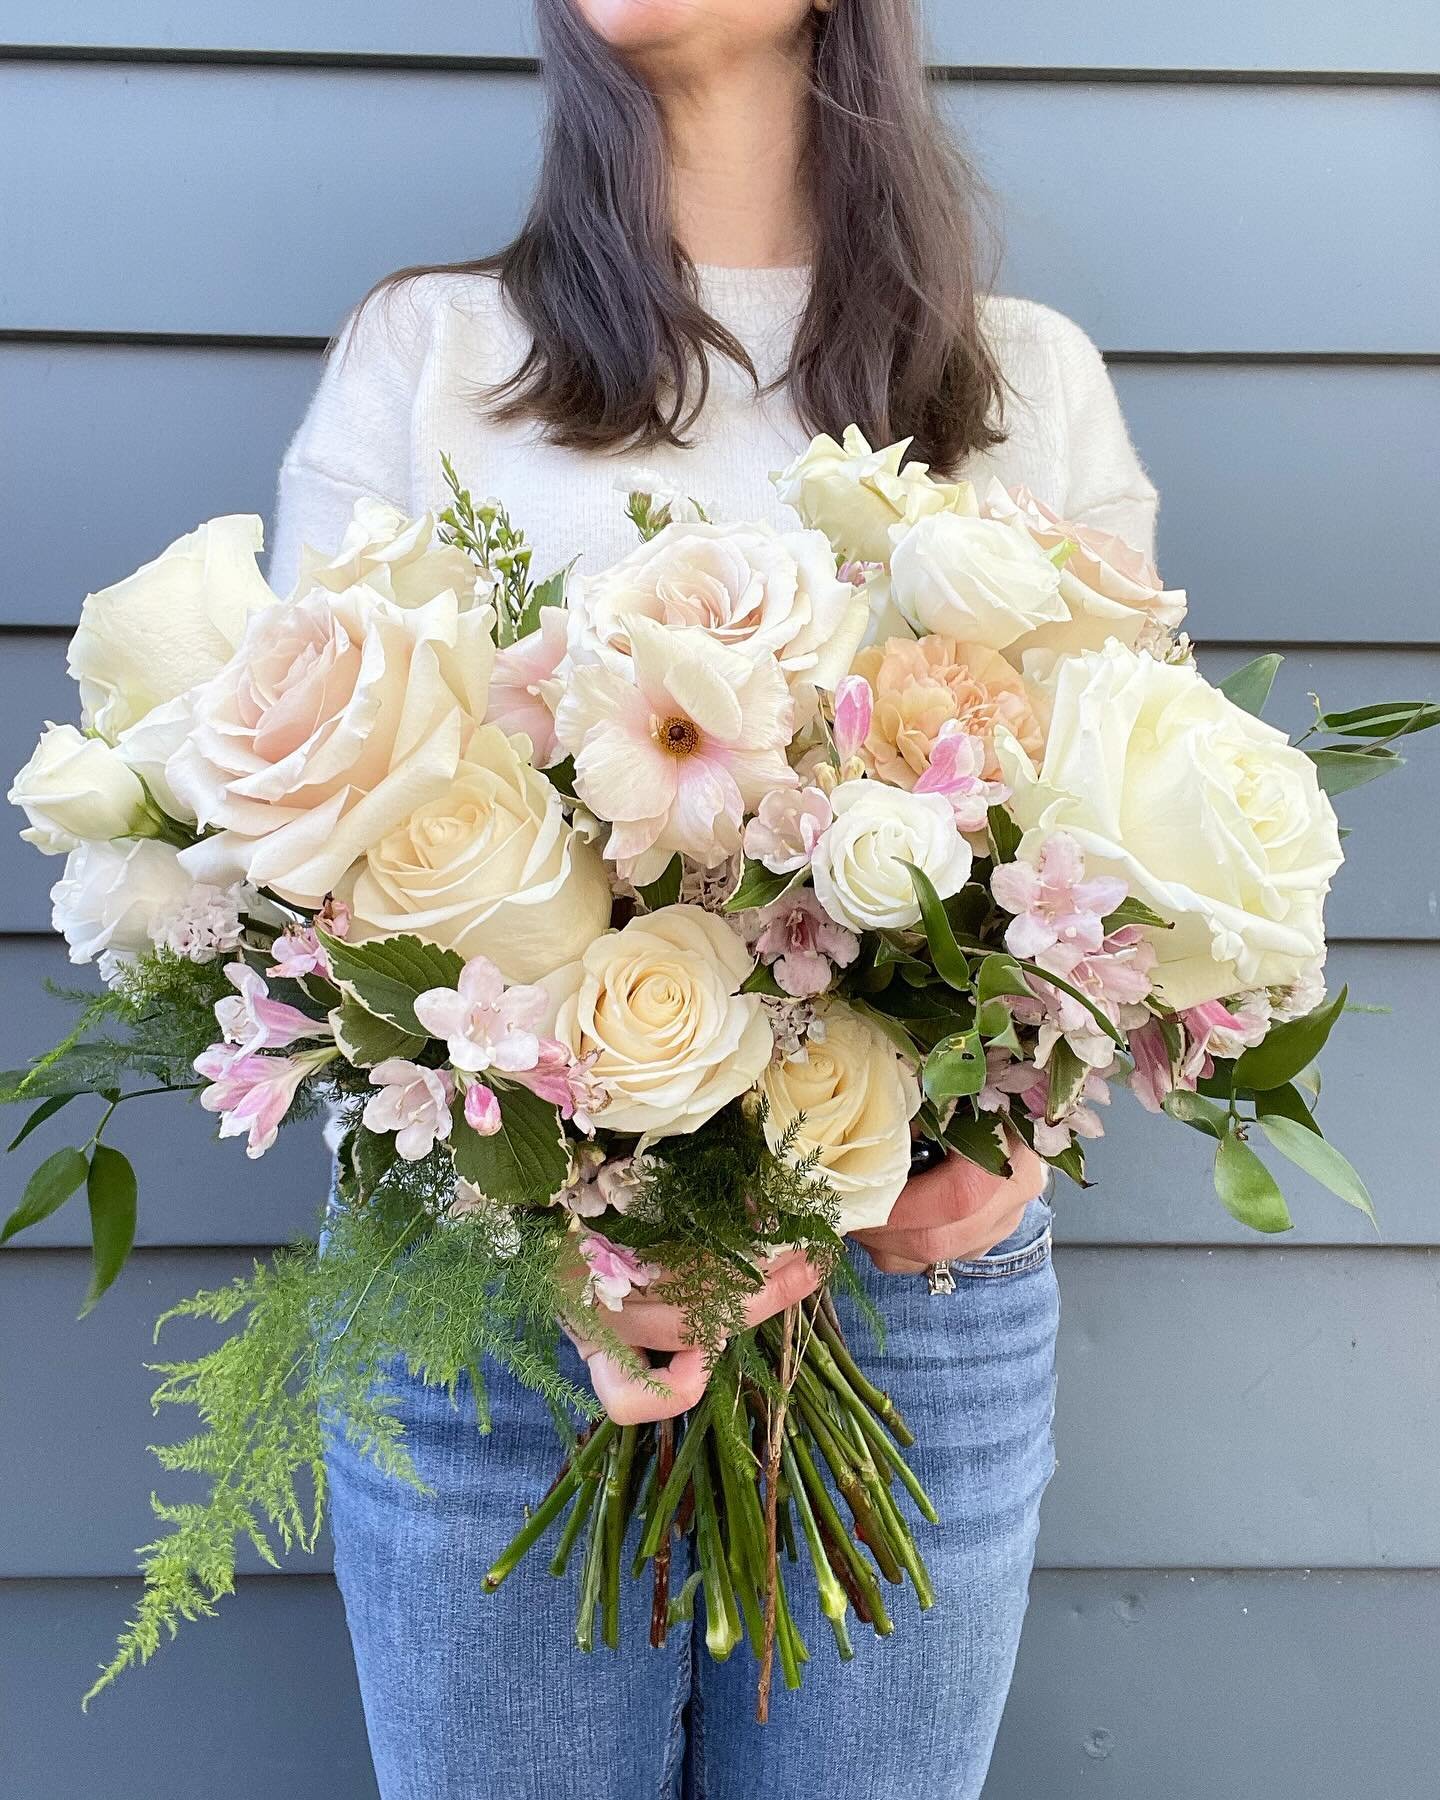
853 1099
337 718
762 593
489 868
922 686
657 1007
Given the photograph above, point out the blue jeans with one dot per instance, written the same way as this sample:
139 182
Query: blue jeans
469 1695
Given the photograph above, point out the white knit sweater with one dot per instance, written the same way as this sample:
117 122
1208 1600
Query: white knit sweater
404 385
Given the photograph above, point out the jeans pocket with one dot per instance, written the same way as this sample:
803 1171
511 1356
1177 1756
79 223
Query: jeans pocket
1026 1249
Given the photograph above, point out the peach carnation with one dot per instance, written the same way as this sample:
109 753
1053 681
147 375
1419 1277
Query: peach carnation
921 685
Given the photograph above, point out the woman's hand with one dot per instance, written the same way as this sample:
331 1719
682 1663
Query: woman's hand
954 1213
646 1324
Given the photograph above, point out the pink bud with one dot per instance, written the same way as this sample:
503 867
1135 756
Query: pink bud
482 1109
854 708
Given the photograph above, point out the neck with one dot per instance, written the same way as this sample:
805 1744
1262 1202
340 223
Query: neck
736 141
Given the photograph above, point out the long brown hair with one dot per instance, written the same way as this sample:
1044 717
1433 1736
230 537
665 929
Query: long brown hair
890 338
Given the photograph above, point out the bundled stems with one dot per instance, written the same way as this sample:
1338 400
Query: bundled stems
763 1463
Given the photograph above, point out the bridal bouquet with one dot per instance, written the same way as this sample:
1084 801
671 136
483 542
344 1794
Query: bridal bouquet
635 927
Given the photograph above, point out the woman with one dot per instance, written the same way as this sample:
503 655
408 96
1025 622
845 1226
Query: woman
749 227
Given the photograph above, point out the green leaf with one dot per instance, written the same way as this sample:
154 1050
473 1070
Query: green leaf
1071 1162
1247 1189
47 1109
112 1195
1343 767
1384 719
899 1037
1286 1049
372 1156
1067 1075
550 592
1249 688
758 886
1135 912
954 1069
665 890
1000 975
761 980
979 1142
367 1039
1286 1103
561 776
52 1184
1005 835
1320 1160
387 975
1197 1112
526 1162
948 957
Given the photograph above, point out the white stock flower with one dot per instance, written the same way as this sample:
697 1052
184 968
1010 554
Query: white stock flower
1209 816
752 589
489 867
976 580
859 870
656 1005
76 789
114 898
855 495
340 715
401 559
854 1099
174 622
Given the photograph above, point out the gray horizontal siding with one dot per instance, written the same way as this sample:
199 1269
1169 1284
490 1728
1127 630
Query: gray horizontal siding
1273 1361
1131 1685
1391 35
1246 459
1375 1107
1386 890
274 198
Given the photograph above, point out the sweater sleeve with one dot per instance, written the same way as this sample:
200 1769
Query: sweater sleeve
354 441
1106 485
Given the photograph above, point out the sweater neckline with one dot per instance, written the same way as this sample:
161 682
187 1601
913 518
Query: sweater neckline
760 288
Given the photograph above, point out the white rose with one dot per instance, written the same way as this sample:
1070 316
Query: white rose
854 1098
1208 815
761 592
115 897
401 559
340 715
975 580
1109 589
855 495
172 623
489 868
657 1006
74 790
859 870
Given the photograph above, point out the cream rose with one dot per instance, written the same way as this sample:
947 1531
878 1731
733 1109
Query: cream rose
76 789
176 621
1109 589
858 869
974 579
489 868
757 591
340 715
854 1098
656 1004
401 559
855 495
116 897
1209 816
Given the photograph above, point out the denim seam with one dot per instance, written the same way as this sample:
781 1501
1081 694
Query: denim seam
684 1681
1017 1262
